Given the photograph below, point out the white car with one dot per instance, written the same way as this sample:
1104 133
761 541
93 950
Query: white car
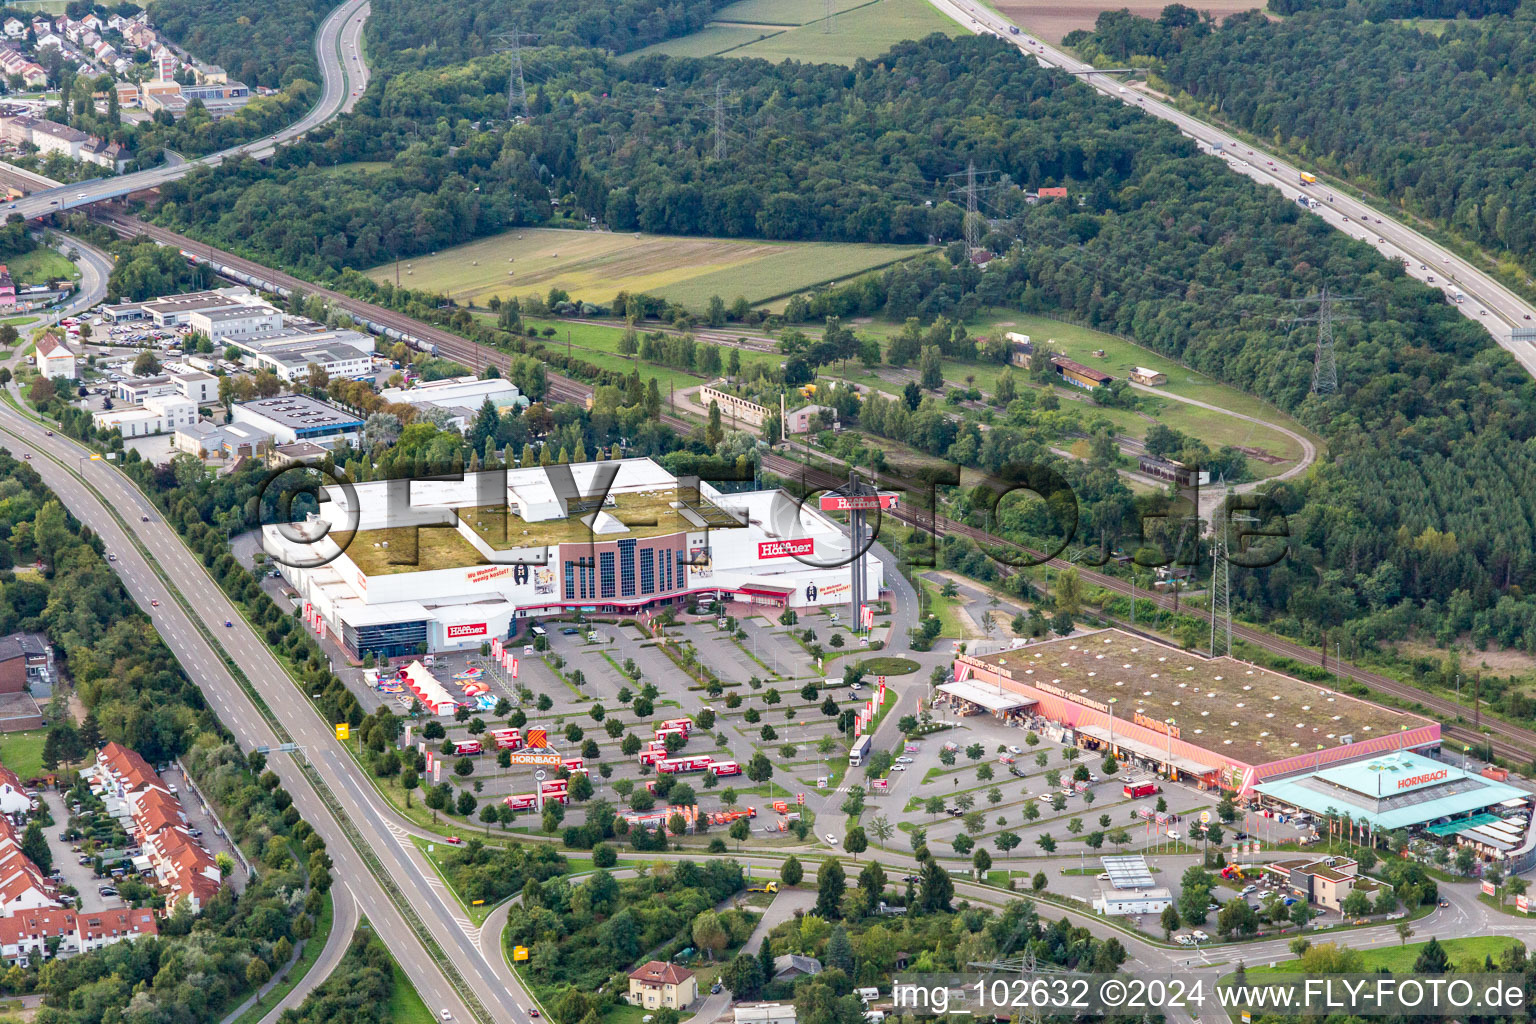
898 767
1184 940
903 760
1250 888
1173 834
1199 936
446 1015
1015 750
831 839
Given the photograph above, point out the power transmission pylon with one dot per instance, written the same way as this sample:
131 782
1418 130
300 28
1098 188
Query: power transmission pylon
1325 372
1221 578
517 91
719 120
826 23
972 216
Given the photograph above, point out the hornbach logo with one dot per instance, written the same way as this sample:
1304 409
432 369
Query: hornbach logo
1419 780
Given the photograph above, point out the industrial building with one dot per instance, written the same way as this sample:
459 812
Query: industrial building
290 418
460 396
1078 375
1218 722
612 537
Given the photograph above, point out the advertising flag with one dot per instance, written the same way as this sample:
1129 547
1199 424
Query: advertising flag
514 668
496 648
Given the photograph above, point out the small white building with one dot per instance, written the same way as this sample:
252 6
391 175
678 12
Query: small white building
1130 902
158 415
763 1013
53 359
232 323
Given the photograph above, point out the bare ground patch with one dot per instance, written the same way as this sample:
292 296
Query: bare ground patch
1052 21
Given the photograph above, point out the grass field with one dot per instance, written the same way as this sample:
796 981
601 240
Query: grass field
41 265
1399 959
867 31
22 752
405 1006
18 321
946 608
596 265
797 30
357 166
1079 343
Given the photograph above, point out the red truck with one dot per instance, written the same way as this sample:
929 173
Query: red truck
525 802
652 756
507 739
464 747
683 764
725 768
685 724
1135 791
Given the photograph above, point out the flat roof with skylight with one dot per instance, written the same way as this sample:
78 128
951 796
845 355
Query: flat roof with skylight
1241 711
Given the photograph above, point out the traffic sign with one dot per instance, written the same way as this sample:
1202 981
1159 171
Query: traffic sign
343 731
1205 817
519 952
538 775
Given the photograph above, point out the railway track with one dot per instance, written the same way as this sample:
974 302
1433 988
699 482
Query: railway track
1509 741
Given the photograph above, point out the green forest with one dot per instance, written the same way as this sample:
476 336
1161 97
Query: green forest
1443 125
136 694
1426 494
399 37
270 43
1381 10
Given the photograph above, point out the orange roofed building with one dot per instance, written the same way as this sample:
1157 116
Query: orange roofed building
659 984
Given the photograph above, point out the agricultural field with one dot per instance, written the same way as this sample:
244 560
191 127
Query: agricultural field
866 31
1052 21
797 30
596 265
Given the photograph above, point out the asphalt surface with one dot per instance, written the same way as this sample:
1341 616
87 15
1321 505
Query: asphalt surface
1505 310
342 83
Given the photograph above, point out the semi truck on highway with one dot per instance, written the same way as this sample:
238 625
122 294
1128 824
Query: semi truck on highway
1308 179
859 752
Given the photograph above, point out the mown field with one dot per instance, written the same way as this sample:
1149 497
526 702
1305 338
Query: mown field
797 30
597 265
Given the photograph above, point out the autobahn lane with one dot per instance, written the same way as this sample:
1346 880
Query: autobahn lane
343 26
68 476
1505 310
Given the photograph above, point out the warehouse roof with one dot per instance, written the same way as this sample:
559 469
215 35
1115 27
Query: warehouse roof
1242 711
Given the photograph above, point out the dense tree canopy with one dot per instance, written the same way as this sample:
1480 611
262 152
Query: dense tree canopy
270 43
1442 124
406 34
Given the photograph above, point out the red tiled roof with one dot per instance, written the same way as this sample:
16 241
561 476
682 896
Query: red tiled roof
36 924
659 972
115 923
130 768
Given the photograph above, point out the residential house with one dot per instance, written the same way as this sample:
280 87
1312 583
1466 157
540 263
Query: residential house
14 798
661 985
184 870
23 886
25 658
53 359
7 288
792 965
27 936
15 28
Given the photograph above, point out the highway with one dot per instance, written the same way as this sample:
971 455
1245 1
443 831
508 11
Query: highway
1487 302
343 80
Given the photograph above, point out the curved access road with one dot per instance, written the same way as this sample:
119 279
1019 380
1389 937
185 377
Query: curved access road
342 82
1487 301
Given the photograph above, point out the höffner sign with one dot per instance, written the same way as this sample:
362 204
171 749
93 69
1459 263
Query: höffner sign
786 548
